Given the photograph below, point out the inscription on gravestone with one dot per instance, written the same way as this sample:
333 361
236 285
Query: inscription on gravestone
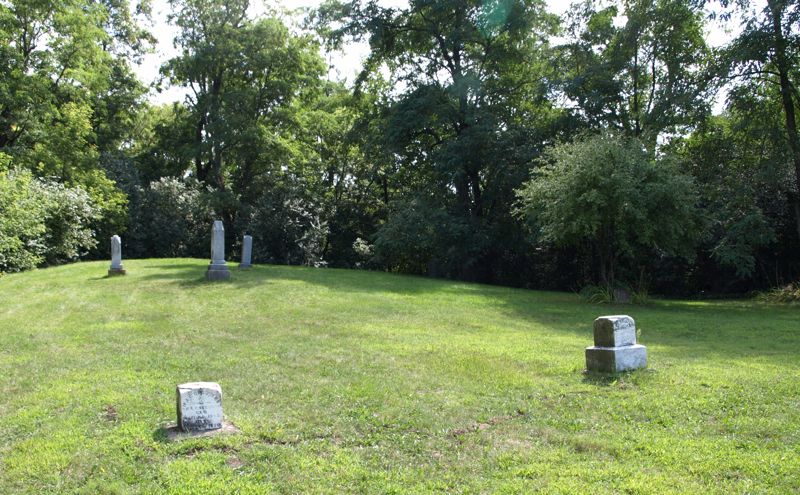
199 406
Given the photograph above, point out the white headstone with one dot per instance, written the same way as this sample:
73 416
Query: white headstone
217 269
218 243
199 406
247 252
615 348
116 256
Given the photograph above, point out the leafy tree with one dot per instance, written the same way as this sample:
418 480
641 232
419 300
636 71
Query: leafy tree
607 193
743 169
767 50
470 113
638 66
244 77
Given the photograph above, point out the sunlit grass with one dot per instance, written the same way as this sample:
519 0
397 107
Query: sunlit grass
375 383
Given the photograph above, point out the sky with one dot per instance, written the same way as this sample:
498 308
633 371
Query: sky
344 65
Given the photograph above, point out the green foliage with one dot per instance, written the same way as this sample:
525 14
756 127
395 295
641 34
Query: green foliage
743 181
597 294
171 219
607 192
42 221
69 213
245 77
22 226
421 238
639 67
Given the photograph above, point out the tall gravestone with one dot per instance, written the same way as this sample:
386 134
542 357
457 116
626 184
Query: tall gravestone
116 257
199 406
615 348
217 269
247 253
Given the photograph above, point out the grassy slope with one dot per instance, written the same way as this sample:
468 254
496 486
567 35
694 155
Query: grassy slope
366 382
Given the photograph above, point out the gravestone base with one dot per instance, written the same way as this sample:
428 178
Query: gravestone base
243 266
173 432
616 359
116 271
218 272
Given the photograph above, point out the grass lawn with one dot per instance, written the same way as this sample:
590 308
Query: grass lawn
350 381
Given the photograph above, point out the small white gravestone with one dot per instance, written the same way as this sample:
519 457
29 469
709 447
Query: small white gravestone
217 269
199 406
615 348
247 253
116 257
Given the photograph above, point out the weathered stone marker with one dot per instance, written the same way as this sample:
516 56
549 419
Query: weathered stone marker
116 257
615 348
217 269
199 406
247 253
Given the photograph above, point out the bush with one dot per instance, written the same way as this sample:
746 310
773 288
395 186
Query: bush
22 225
42 221
422 238
786 294
609 194
286 229
69 214
172 219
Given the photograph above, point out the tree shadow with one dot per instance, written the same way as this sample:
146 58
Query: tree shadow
682 329
193 275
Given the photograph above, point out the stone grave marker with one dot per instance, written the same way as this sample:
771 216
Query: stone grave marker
116 257
247 253
217 269
199 406
615 348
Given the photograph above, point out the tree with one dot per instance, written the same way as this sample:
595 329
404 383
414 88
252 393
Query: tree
639 67
767 50
244 77
607 193
472 113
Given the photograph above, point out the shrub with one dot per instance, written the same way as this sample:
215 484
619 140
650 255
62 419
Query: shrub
171 219
786 294
42 221
22 225
69 213
610 194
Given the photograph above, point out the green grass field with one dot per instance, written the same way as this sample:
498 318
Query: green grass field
350 381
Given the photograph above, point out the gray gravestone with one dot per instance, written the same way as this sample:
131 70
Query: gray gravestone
199 406
615 348
116 257
217 269
247 253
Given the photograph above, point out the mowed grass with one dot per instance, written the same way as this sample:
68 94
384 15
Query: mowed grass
349 381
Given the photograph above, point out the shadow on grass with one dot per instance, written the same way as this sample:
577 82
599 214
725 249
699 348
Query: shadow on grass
692 330
193 275
618 380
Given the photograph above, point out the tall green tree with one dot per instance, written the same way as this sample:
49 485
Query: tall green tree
469 111
244 77
637 66
767 50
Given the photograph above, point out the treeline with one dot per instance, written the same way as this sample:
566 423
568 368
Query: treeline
483 141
